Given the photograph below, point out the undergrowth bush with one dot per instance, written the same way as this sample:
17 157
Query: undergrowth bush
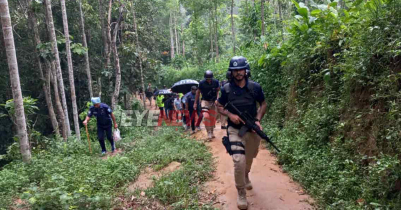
67 176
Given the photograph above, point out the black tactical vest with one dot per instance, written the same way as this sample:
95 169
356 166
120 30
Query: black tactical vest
245 101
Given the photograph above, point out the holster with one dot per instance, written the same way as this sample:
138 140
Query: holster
227 144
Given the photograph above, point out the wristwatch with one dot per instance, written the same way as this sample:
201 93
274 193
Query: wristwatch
257 120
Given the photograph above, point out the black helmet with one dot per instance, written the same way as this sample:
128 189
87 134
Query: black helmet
248 73
208 74
238 63
228 75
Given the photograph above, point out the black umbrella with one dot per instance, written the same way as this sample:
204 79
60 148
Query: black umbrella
163 92
184 86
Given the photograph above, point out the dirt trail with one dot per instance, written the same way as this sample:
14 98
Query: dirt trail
272 189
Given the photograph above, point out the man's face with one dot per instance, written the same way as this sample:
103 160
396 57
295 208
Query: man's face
209 80
239 75
193 91
97 105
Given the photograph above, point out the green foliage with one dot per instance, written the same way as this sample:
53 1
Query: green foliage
333 91
66 176
29 103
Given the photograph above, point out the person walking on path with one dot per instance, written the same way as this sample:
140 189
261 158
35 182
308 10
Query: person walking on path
178 106
190 109
243 94
149 94
104 116
160 104
209 88
169 105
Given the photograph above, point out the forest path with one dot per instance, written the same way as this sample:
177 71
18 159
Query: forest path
272 188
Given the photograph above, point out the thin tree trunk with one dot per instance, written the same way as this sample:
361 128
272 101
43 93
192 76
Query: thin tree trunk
99 85
20 121
52 35
183 41
281 20
117 86
84 44
176 35
211 29
70 70
45 81
59 108
171 37
262 9
48 95
232 25
105 45
139 55
108 35
216 31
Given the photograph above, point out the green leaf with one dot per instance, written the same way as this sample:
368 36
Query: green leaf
316 12
333 4
303 12
296 4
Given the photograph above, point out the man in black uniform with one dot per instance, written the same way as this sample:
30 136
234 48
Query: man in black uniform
209 88
104 116
244 94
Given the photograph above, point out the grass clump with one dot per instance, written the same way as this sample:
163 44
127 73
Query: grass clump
66 176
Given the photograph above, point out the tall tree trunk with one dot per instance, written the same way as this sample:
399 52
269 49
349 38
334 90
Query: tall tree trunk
70 70
183 41
176 35
105 46
139 55
232 25
99 85
117 86
20 121
57 101
108 35
281 20
216 31
52 35
48 95
211 29
262 11
45 80
84 44
171 37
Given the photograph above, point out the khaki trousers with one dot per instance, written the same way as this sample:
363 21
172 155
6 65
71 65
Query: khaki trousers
209 107
243 163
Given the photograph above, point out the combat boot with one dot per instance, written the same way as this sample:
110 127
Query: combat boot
241 200
248 184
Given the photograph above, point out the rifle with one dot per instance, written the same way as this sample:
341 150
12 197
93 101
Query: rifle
250 124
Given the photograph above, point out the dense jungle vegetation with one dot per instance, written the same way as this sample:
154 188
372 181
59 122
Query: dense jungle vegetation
330 71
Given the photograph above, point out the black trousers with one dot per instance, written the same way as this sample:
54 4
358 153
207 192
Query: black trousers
109 134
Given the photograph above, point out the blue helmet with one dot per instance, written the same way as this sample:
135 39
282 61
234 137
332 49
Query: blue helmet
95 100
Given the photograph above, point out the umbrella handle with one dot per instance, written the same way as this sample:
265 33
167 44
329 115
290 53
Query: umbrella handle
89 142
